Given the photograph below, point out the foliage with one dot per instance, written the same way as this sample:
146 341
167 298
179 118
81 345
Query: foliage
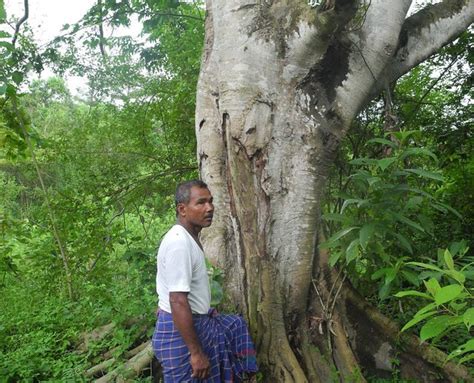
403 216
109 161
450 292
215 279
382 213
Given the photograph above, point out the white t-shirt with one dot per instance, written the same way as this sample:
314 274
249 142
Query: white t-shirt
181 267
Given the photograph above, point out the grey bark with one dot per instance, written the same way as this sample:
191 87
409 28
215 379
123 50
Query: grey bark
279 86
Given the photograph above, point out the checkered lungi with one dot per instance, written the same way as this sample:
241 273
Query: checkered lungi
224 338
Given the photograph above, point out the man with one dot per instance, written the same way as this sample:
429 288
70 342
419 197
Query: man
193 342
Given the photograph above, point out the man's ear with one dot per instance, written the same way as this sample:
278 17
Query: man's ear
181 209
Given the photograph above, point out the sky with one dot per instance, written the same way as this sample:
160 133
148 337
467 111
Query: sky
48 16
46 19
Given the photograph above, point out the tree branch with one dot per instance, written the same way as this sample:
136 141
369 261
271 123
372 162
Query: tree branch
430 88
372 47
101 31
20 22
428 30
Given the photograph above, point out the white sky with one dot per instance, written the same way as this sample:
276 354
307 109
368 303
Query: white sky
47 17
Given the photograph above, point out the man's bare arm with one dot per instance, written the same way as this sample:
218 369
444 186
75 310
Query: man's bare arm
183 320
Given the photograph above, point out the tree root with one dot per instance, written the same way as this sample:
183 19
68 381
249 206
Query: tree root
413 350
363 339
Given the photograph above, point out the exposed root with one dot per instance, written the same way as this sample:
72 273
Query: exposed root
412 347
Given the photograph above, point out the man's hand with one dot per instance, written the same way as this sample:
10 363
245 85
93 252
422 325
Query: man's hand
183 320
200 365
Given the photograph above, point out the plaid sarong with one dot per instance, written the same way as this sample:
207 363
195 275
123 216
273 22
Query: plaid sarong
224 338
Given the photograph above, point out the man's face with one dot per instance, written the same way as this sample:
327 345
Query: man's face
199 210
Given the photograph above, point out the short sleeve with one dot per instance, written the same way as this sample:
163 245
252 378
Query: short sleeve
178 267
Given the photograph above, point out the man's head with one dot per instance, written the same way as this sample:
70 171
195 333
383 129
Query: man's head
194 206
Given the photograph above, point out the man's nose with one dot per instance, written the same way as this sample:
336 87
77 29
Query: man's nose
210 206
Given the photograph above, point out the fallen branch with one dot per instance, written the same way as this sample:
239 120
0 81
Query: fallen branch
129 354
132 367
100 368
95 336
102 332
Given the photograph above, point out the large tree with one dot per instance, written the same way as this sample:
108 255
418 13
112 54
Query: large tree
280 83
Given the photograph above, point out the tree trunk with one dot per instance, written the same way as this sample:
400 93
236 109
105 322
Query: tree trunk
280 84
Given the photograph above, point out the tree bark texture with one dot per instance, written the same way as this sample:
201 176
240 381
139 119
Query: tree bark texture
280 83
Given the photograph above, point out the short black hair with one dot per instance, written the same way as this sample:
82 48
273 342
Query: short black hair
183 190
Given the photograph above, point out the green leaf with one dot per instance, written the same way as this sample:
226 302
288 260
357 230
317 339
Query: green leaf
426 174
417 319
3 34
7 45
432 285
217 293
327 245
404 242
352 251
382 141
441 206
3 14
403 135
365 233
411 277
390 275
384 163
378 274
373 180
466 347
408 222
334 217
435 326
363 161
17 77
456 248
448 259
341 233
468 318
447 294
456 275
384 291
426 223
351 201
414 293
466 358
425 266
418 152
428 307
413 190
414 202
458 306
334 257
